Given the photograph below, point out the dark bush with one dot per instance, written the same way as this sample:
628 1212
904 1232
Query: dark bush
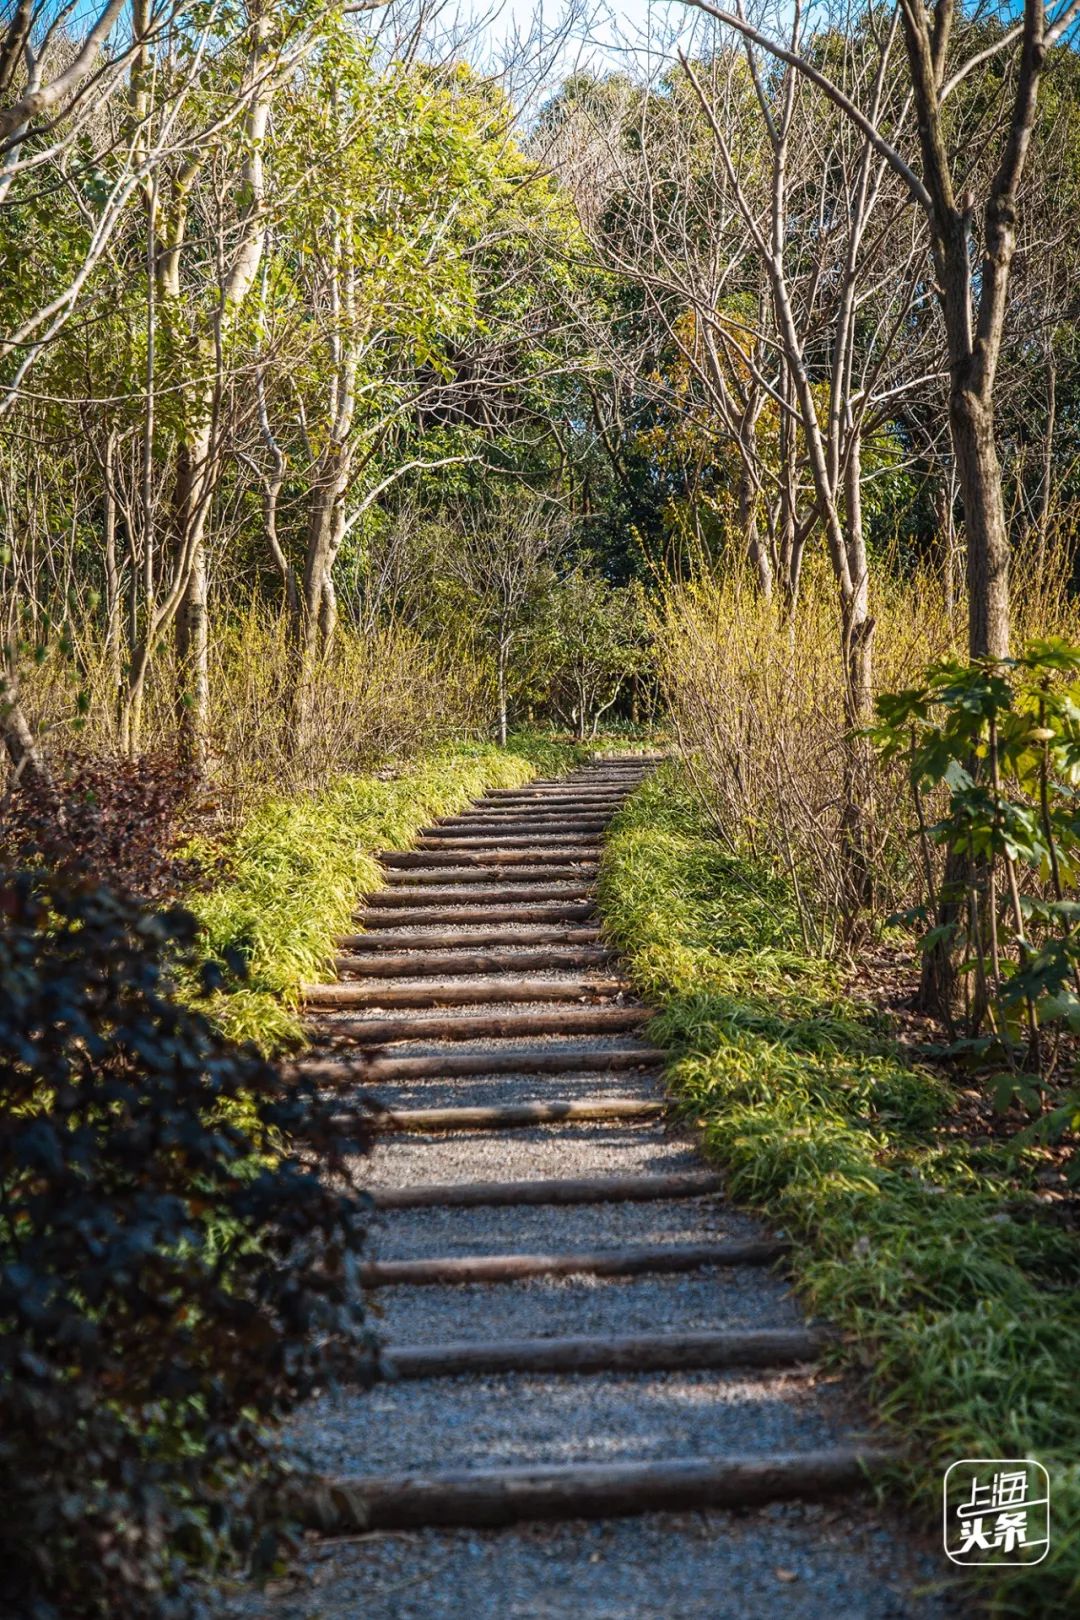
168 1283
123 817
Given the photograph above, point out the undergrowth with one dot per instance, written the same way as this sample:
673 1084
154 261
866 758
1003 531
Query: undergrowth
953 1287
292 874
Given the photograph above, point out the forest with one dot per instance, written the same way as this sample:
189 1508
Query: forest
410 414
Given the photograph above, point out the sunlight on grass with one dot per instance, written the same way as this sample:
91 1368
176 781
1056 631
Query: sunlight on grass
953 1288
294 871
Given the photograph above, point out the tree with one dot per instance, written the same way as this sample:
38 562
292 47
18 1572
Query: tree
943 48
597 643
500 559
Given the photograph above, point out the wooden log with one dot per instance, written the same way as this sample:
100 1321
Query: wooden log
569 894
545 792
518 838
513 834
509 851
599 799
531 810
637 1353
513 1116
499 1496
551 911
485 990
670 1185
484 1026
568 1057
492 822
454 857
452 962
446 871
455 942
638 1260
544 830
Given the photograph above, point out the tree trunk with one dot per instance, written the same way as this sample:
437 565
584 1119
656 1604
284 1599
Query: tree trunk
328 614
500 677
756 549
858 632
979 476
971 421
26 758
1046 494
315 622
113 604
191 633
193 665
945 519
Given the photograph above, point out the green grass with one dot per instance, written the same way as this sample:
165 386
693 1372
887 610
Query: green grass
954 1289
293 872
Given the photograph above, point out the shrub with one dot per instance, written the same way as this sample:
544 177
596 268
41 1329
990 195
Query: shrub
756 699
122 816
171 1276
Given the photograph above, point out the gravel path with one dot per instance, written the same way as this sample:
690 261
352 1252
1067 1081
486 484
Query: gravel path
788 1560
432 1091
546 1151
503 1229
514 1420
546 1307
792 1561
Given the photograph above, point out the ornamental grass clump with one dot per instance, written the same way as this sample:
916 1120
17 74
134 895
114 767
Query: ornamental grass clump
172 1275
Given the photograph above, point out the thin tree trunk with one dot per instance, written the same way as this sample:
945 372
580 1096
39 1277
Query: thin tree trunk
192 630
23 750
1046 494
756 549
193 659
113 603
945 516
858 632
500 676
316 620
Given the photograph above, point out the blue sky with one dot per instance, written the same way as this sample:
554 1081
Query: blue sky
615 26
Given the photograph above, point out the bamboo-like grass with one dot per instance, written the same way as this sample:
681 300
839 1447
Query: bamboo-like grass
952 1285
296 866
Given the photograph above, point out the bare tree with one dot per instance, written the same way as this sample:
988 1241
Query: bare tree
973 240
501 561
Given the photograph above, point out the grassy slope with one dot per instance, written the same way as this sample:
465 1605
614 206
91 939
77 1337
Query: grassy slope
954 1290
294 871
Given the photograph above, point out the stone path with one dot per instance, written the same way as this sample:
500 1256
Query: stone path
607 1400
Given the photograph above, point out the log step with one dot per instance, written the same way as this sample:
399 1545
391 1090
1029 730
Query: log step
510 1116
496 854
633 1261
437 994
425 963
470 896
598 796
568 1058
500 1496
559 1190
553 912
465 940
484 823
637 1353
484 1026
483 870
606 800
518 842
